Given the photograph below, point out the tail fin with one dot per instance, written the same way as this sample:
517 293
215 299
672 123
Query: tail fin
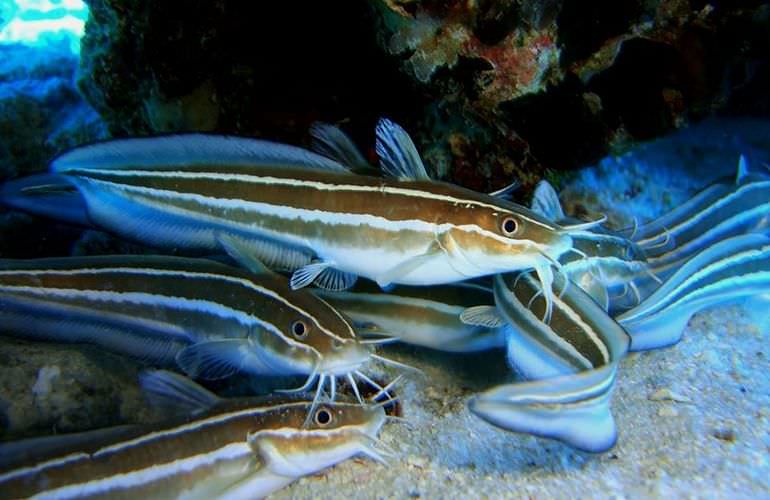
47 195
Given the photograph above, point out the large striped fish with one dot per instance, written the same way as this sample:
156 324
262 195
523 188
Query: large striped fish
225 449
423 316
571 360
604 264
209 319
735 268
301 212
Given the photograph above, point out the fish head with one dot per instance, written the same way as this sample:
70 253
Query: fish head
299 445
504 237
313 337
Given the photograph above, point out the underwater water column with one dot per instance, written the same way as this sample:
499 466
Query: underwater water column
43 23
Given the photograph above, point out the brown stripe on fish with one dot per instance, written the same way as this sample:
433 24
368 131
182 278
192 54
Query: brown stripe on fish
579 335
309 190
202 455
424 316
193 309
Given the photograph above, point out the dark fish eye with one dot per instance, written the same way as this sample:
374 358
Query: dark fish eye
323 417
299 329
336 344
509 226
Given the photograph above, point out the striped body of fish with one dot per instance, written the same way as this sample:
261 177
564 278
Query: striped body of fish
578 336
243 448
731 269
209 319
726 208
423 316
310 216
571 359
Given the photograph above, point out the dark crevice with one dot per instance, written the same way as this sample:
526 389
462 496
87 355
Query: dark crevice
635 87
584 26
563 130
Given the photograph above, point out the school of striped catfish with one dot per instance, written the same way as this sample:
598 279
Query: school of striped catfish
303 263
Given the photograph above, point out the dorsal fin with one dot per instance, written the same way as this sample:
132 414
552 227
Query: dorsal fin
506 192
176 392
743 170
331 142
546 202
189 149
398 155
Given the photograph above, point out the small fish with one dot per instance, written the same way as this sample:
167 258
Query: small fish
301 212
573 409
423 316
731 269
238 448
604 264
209 319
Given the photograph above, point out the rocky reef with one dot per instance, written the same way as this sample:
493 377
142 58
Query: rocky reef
491 90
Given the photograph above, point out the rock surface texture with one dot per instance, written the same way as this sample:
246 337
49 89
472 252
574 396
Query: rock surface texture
492 90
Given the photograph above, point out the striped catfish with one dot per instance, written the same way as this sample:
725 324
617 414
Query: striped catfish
423 316
225 449
731 269
571 360
728 207
573 409
604 264
207 318
307 214
580 335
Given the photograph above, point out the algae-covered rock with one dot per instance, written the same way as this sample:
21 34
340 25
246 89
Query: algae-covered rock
51 388
491 90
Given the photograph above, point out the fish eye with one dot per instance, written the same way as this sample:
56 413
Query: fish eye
336 344
299 329
323 417
509 226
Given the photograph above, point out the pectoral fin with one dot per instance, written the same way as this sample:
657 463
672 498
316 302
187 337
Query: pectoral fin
323 275
213 360
400 271
486 316
176 392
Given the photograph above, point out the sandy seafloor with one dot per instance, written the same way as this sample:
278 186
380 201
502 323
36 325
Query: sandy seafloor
711 441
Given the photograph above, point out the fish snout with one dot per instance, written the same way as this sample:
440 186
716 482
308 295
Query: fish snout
345 358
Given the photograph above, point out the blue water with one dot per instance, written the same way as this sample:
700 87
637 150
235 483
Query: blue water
43 23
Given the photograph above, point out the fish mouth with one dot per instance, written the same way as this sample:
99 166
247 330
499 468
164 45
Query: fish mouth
341 368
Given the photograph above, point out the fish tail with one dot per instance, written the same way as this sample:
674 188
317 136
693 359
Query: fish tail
47 195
